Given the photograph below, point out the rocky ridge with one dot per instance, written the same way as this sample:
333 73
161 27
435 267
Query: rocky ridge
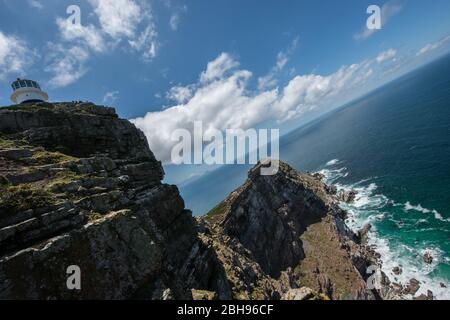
79 186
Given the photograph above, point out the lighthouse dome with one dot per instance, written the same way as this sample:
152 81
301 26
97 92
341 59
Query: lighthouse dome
25 91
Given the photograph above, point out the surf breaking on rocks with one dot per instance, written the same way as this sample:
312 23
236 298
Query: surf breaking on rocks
373 207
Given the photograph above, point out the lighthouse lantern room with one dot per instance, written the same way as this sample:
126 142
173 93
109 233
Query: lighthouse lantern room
26 91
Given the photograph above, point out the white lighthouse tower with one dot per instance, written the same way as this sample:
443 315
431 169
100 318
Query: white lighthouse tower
27 91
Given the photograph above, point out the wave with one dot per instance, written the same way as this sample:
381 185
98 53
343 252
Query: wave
409 207
370 206
332 162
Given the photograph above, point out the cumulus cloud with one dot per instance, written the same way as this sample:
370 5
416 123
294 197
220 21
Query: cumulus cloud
146 43
110 97
120 22
128 20
386 55
180 94
270 80
174 21
218 67
433 46
90 35
388 10
35 4
15 56
223 98
66 65
118 18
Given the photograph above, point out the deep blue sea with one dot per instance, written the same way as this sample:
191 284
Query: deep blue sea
393 146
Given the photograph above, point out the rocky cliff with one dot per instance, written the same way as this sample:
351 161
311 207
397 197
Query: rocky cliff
278 234
79 186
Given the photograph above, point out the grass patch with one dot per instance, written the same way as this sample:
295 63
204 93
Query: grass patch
29 107
14 199
94 216
63 178
46 157
216 212
10 143
323 251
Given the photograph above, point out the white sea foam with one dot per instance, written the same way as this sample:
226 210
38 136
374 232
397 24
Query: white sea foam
409 207
371 207
332 162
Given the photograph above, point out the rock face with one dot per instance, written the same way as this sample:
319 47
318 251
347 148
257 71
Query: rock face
79 186
283 232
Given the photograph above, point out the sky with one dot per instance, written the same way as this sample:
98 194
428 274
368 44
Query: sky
231 64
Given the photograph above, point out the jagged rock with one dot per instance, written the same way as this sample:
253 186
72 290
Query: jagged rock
303 293
283 222
363 234
319 177
412 287
16 154
397 270
346 196
331 190
3 181
428 296
203 295
428 258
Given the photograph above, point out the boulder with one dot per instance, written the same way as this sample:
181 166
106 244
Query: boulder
428 258
303 293
397 270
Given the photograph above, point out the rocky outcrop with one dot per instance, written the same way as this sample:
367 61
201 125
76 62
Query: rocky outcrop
285 232
81 187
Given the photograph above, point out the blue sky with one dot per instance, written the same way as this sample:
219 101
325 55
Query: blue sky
229 63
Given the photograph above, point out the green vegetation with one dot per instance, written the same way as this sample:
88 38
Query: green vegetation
94 216
63 178
20 198
216 212
43 157
323 251
29 107
219 209
9 142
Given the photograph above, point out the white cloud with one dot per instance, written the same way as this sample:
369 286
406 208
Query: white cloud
122 19
218 67
433 46
269 80
388 10
180 94
89 34
66 65
146 43
386 55
174 21
120 22
35 4
222 98
118 18
15 56
110 97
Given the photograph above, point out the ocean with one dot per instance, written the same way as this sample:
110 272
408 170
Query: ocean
393 147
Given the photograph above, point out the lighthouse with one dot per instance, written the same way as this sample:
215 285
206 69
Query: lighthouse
27 91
